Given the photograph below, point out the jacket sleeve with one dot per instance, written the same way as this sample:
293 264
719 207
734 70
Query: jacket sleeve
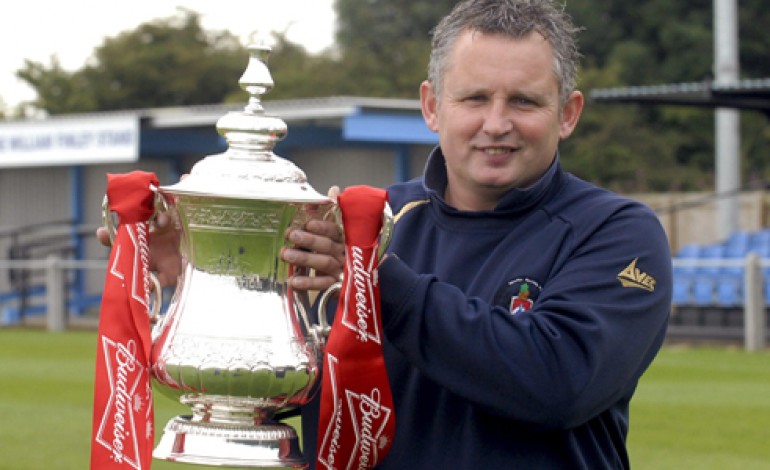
578 351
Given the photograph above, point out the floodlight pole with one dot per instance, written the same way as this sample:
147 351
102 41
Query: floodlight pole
727 121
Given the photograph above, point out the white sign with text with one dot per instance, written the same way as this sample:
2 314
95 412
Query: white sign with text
69 141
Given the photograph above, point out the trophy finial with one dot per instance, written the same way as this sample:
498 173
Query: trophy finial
251 133
248 168
256 79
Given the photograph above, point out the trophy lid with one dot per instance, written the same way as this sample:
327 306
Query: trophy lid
249 169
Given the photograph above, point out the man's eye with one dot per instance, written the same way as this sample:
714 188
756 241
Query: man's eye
523 102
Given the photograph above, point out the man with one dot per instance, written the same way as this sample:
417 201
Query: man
520 305
481 378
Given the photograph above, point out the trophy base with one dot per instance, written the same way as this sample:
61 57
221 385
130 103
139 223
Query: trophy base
270 445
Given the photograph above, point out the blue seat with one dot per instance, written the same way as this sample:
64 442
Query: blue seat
682 293
736 248
733 267
703 290
684 274
759 243
686 253
711 253
729 291
689 251
737 244
704 286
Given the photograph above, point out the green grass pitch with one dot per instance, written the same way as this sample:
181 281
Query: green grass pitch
696 408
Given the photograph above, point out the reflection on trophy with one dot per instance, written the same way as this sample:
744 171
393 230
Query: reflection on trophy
237 344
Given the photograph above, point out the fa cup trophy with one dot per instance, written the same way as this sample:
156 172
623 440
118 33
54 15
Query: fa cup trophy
238 344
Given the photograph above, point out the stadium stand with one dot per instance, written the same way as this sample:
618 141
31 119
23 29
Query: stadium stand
713 275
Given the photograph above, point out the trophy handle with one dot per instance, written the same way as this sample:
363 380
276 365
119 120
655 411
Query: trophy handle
108 221
386 233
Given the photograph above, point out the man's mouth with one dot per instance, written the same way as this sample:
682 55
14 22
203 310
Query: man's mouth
498 151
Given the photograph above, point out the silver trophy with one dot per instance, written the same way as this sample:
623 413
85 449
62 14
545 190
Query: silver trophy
237 344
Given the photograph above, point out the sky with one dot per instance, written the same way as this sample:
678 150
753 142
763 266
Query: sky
71 30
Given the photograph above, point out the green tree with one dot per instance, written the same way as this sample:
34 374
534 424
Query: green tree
639 147
754 16
166 62
385 43
58 91
298 74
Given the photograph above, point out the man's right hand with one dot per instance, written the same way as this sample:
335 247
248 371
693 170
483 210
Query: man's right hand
165 258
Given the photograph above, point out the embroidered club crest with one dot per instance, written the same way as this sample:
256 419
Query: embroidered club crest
518 294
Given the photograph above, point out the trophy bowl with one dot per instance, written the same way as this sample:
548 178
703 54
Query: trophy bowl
237 344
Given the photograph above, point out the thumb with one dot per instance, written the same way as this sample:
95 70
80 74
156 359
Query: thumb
333 192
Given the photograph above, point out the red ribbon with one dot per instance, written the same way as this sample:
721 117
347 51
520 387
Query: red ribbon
357 421
123 433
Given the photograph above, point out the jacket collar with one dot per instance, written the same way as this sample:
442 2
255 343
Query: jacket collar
515 200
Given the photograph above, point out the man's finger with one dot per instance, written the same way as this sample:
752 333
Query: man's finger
323 244
319 262
319 283
103 235
325 228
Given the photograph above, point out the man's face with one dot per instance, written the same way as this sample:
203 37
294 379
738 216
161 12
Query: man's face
499 116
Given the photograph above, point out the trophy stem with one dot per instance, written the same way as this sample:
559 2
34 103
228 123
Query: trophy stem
269 445
222 410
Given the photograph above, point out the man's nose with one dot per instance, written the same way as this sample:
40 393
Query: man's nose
499 119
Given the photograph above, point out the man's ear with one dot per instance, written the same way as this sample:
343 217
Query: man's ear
570 114
429 103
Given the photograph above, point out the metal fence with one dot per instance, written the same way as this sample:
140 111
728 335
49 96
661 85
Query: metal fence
54 299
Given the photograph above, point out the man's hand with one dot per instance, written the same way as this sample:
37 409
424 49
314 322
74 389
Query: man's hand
318 246
165 258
